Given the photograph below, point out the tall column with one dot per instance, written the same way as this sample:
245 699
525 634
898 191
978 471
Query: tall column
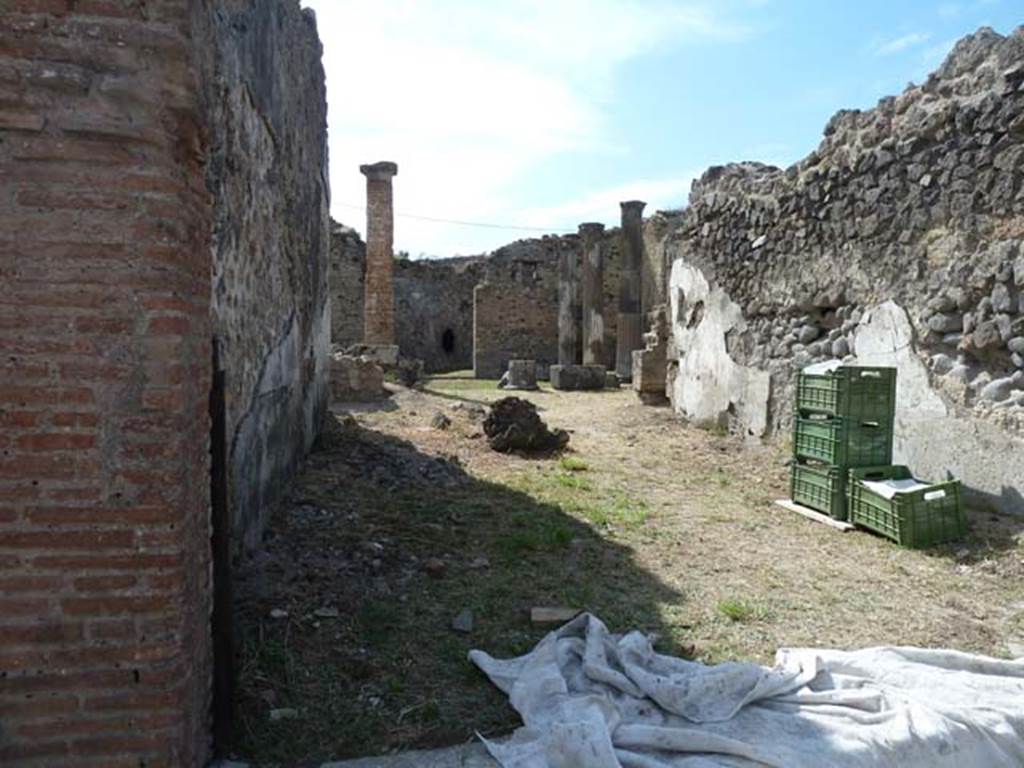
379 304
568 307
593 294
629 331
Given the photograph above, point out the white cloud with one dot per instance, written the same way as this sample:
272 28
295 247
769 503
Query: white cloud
602 205
470 97
901 43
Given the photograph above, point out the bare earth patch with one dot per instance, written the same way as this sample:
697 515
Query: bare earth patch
397 526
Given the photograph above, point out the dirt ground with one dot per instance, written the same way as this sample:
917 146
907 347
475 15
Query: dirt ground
397 526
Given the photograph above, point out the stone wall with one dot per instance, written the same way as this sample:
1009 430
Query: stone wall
434 311
105 325
898 240
516 315
347 280
263 89
145 149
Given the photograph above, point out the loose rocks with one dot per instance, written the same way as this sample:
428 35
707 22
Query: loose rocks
513 424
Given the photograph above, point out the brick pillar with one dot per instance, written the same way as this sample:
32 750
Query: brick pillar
380 258
568 307
629 333
104 384
593 293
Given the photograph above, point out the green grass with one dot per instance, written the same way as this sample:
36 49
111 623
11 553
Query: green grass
737 610
573 464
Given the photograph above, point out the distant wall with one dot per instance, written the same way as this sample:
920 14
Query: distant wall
512 321
434 311
347 281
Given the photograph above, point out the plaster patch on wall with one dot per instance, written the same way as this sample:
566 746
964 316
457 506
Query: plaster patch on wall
710 388
929 438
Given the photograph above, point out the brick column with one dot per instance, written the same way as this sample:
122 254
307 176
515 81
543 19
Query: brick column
380 232
104 385
629 334
568 307
593 294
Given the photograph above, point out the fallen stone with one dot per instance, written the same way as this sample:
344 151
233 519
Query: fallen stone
577 377
544 615
463 622
326 613
440 421
513 424
1016 345
277 614
479 562
611 380
840 348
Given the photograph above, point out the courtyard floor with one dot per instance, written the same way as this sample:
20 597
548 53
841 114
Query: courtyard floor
397 526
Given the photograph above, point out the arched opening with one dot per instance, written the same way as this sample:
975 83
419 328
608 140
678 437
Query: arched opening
448 341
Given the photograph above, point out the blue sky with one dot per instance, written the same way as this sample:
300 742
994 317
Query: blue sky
547 113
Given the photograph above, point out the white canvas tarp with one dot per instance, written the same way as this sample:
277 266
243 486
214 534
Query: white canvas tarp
592 699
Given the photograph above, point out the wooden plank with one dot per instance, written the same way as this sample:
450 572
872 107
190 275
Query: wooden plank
814 515
541 615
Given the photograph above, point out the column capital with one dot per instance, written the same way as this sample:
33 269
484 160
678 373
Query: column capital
629 206
382 171
591 228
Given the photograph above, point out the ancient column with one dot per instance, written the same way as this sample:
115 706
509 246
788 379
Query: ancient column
629 331
568 307
593 294
379 305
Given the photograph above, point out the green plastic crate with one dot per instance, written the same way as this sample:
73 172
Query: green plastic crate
820 487
922 518
842 442
859 393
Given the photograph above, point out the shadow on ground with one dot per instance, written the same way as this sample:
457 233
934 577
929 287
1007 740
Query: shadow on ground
377 549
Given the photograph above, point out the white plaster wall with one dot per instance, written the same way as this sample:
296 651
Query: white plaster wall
929 437
709 384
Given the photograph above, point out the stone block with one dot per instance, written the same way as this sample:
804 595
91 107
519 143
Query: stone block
385 355
356 380
576 377
522 374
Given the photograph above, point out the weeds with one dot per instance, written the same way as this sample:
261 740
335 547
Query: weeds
737 610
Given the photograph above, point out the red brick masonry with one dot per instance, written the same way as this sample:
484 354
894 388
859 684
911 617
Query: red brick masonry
104 379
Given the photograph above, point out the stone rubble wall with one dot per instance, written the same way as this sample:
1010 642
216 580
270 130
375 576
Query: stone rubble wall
899 239
265 100
347 285
433 296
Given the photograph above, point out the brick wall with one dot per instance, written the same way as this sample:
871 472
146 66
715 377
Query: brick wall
104 328
513 321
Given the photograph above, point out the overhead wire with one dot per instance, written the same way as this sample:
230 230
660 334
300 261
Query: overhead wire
461 222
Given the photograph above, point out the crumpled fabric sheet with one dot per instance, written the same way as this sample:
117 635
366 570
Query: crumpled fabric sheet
592 699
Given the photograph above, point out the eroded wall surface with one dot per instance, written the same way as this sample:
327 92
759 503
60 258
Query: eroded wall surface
265 102
898 239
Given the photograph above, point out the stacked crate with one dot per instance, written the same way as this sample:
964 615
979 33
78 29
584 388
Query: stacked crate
842 419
